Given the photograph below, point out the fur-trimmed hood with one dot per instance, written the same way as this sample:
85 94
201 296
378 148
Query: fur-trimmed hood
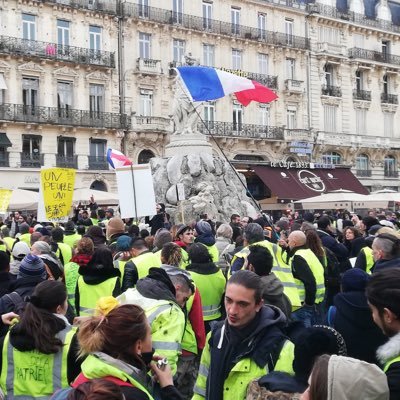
389 350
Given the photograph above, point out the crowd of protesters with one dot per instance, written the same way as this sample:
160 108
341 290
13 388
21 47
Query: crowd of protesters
303 307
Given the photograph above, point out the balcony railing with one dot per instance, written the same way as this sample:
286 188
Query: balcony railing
201 24
248 131
98 162
52 51
389 98
391 174
32 160
364 173
362 95
372 56
148 66
67 161
109 7
333 91
60 116
4 160
361 19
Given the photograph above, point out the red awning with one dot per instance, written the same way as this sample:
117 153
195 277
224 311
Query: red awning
297 184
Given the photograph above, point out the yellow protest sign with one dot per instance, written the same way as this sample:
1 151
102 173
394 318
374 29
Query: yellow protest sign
5 196
57 186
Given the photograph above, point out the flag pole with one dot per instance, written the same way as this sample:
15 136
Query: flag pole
134 193
226 158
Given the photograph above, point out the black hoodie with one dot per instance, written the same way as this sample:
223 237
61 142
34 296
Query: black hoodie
352 318
261 340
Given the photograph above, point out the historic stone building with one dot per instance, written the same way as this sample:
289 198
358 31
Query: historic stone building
78 76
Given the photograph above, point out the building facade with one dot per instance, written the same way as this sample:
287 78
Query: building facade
78 76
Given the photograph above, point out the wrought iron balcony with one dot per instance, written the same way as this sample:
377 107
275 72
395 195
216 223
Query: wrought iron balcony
361 19
4 159
362 95
109 7
32 160
66 161
389 98
391 174
372 56
148 66
333 91
52 51
98 162
60 116
201 24
247 131
364 173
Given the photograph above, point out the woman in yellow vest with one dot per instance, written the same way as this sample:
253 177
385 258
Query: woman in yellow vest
99 278
119 348
40 352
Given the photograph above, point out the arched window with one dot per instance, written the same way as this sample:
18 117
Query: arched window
390 167
291 159
99 185
362 165
332 158
144 156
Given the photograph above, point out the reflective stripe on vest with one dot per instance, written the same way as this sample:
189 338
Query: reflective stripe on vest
209 311
89 294
33 375
317 270
390 362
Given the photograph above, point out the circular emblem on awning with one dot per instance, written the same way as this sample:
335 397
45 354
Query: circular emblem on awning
311 180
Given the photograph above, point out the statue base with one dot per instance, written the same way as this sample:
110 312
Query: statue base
184 144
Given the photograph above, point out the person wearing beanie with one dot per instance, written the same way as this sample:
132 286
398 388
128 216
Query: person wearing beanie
162 236
115 229
70 235
351 316
24 236
204 235
123 247
163 297
31 272
337 377
5 277
55 269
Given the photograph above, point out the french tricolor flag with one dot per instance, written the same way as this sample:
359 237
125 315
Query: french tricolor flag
116 159
205 84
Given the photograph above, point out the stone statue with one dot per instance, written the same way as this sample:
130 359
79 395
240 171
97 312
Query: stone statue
184 112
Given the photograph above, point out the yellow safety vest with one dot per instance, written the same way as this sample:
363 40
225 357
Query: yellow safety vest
144 262
31 374
26 237
10 242
317 270
120 264
71 277
66 252
189 341
390 362
211 288
89 294
369 259
71 240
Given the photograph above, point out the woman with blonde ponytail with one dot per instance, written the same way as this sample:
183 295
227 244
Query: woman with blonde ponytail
118 347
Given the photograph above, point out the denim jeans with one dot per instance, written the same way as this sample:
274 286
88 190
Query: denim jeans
309 315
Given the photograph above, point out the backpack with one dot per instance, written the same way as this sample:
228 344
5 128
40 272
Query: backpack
332 270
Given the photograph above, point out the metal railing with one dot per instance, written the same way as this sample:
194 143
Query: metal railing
34 48
391 174
4 160
201 24
333 91
362 95
389 98
350 16
32 160
364 173
248 131
67 161
98 162
60 116
372 55
109 7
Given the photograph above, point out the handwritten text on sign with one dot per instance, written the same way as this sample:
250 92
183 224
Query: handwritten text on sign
58 189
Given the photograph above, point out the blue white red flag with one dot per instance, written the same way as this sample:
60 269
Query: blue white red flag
116 159
205 84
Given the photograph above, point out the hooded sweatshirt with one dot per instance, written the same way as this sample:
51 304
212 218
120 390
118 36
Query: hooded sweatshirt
260 339
351 379
353 320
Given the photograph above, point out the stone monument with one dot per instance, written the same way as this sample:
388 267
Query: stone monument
209 183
